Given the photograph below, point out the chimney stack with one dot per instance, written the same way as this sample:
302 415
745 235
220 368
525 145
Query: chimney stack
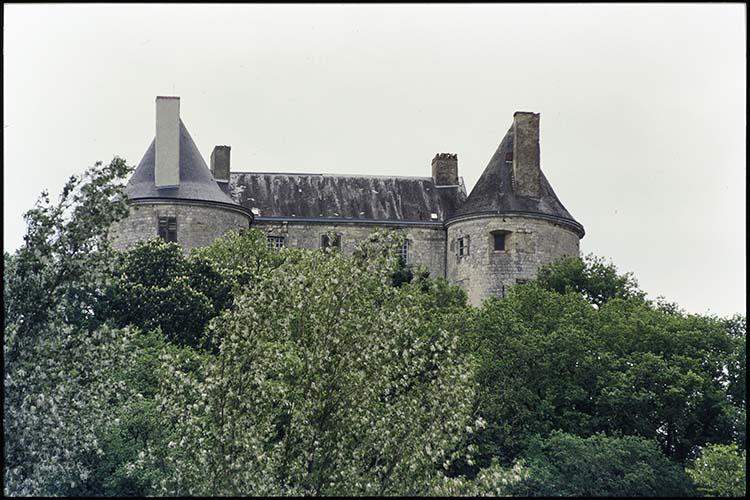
445 169
167 168
220 163
526 163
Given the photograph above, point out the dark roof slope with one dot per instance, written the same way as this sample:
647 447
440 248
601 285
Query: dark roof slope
196 181
493 191
316 196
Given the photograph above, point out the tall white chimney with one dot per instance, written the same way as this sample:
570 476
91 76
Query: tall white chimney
167 168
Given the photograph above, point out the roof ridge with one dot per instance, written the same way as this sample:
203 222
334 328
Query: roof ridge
426 177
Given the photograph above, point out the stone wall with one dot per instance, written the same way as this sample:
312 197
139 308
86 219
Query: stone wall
197 224
426 243
485 272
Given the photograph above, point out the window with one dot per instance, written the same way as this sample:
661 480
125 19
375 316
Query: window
462 249
403 252
275 242
327 242
498 238
168 228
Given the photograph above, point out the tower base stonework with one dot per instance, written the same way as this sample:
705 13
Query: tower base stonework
198 224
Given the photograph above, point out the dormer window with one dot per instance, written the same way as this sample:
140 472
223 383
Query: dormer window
499 240
168 228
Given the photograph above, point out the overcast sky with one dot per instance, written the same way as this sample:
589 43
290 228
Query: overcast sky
642 108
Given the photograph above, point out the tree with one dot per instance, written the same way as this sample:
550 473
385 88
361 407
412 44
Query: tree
327 382
157 286
720 471
538 369
62 369
599 466
550 361
243 259
591 276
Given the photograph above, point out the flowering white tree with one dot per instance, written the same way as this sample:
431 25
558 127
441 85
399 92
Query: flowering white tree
327 383
62 373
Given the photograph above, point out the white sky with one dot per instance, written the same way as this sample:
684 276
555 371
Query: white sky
642 108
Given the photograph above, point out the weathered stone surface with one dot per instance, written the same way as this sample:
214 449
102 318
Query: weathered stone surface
220 158
426 244
526 160
445 169
512 197
197 225
530 243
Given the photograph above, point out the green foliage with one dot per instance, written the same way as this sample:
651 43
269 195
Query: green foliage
538 368
327 383
243 259
599 466
62 370
492 481
549 361
597 280
139 425
720 471
328 375
157 286
66 254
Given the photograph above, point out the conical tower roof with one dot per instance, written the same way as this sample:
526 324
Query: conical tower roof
196 181
493 192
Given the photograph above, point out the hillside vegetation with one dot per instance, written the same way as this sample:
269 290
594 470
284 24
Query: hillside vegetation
242 370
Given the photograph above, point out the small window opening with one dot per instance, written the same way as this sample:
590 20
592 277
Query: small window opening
403 252
499 238
463 246
168 228
327 242
509 156
521 281
275 242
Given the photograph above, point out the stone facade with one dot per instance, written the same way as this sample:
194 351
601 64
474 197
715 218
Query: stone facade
426 243
529 243
508 226
198 224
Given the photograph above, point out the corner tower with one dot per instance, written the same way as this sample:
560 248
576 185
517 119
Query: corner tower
512 222
172 194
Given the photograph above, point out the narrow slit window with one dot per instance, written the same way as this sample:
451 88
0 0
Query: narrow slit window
168 228
462 249
499 241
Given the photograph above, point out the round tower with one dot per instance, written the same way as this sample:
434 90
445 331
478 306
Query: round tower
512 222
173 195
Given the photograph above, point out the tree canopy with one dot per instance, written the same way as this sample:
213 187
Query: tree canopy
237 369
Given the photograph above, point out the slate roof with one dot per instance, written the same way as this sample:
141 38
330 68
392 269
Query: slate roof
327 196
196 181
493 191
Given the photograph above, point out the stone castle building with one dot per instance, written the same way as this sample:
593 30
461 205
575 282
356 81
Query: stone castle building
498 235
